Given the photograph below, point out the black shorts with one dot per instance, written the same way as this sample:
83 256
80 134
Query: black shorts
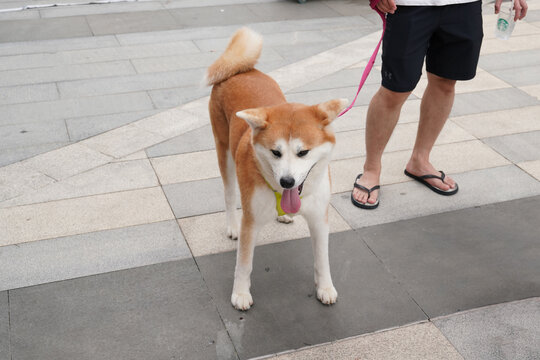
449 37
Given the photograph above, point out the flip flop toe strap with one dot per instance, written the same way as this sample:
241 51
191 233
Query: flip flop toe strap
429 176
369 191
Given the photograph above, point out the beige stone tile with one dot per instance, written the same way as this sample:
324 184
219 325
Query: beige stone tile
451 158
77 216
16 179
113 177
169 123
415 342
186 167
206 234
123 141
532 167
514 43
533 90
67 161
502 122
483 81
352 143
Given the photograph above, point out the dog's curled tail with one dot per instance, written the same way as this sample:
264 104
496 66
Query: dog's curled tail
240 56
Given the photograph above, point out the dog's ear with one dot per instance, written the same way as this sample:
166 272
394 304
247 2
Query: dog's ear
256 118
330 110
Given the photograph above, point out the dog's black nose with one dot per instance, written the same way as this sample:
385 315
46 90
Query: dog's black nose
287 182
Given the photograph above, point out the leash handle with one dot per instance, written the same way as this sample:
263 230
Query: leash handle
369 66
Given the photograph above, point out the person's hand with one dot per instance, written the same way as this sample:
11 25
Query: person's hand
389 6
520 6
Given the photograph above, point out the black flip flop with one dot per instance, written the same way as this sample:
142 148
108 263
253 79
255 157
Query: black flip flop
422 180
367 205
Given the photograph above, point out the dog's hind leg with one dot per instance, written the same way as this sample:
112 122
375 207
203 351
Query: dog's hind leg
227 168
229 183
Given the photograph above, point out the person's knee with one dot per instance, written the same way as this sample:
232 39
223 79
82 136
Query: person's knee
392 99
444 85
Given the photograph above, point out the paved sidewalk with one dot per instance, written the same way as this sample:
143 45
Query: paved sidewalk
112 225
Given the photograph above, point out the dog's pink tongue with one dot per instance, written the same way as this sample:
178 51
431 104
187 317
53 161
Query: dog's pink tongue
290 201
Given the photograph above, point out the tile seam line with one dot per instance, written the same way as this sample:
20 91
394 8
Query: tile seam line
78 197
9 327
214 303
394 277
83 233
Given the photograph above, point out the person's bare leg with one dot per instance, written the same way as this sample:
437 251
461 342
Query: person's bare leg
382 117
434 111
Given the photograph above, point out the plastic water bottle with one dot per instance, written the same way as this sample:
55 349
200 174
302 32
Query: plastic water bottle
505 22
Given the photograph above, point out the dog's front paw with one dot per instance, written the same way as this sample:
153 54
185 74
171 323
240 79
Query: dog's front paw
327 295
286 219
232 232
241 301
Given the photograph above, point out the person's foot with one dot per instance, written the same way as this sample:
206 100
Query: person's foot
424 168
369 179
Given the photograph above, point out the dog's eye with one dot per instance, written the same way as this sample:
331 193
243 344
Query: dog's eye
302 153
276 153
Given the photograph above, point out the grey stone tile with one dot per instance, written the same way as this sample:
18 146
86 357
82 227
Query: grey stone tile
70 257
504 331
5 352
291 10
31 134
130 83
343 35
294 53
19 15
318 96
28 93
520 76
30 47
84 127
131 22
65 72
517 147
283 293
41 29
345 77
63 11
492 100
197 140
161 311
214 16
169 98
69 108
507 60
411 199
13 155
173 63
197 197
464 259
209 32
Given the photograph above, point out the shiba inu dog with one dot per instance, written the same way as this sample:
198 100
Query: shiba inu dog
277 151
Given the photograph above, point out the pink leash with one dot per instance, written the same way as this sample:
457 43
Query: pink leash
369 66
